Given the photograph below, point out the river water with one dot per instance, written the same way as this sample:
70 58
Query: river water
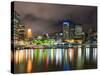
54 59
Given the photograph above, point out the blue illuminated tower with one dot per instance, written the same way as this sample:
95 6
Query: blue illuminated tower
68 29
65 29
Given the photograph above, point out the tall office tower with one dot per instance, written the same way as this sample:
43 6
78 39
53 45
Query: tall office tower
72 31
14 29
65 29
68 29
78 31
18 28
21 31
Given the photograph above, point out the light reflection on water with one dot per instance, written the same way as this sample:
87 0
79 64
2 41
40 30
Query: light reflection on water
40 60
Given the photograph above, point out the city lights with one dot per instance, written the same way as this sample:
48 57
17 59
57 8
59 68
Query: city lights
42 42
29 33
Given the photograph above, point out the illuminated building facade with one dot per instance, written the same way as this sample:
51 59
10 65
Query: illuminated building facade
18 28
68 29
78 31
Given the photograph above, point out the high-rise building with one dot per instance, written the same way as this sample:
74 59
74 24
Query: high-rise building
65 29
18 28
68 29
21 31
78 31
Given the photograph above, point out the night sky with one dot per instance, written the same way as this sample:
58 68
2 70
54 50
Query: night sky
47 18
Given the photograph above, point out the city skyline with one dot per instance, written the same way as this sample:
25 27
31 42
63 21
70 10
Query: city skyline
47 18
52 37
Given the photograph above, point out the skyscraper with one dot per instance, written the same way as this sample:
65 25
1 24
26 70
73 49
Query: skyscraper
78 31
68 29
18 28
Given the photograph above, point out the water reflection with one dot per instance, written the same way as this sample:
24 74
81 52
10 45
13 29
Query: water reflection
29 61
39 60
87 53
80 58
66 64
71 54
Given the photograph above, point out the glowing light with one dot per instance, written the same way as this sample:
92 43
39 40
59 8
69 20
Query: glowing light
87 53
71 54
80 60
79 53
21 55
40 55
57 56
29 30
29 33
16 57
24 55
52 55
32 53
79 41
29 65
65 55
66 64
60 56
71 41
47 61
94 54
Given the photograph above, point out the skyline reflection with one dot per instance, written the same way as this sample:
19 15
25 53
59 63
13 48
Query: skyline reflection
40 60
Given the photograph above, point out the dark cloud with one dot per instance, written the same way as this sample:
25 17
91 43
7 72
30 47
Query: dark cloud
30 17
42 17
